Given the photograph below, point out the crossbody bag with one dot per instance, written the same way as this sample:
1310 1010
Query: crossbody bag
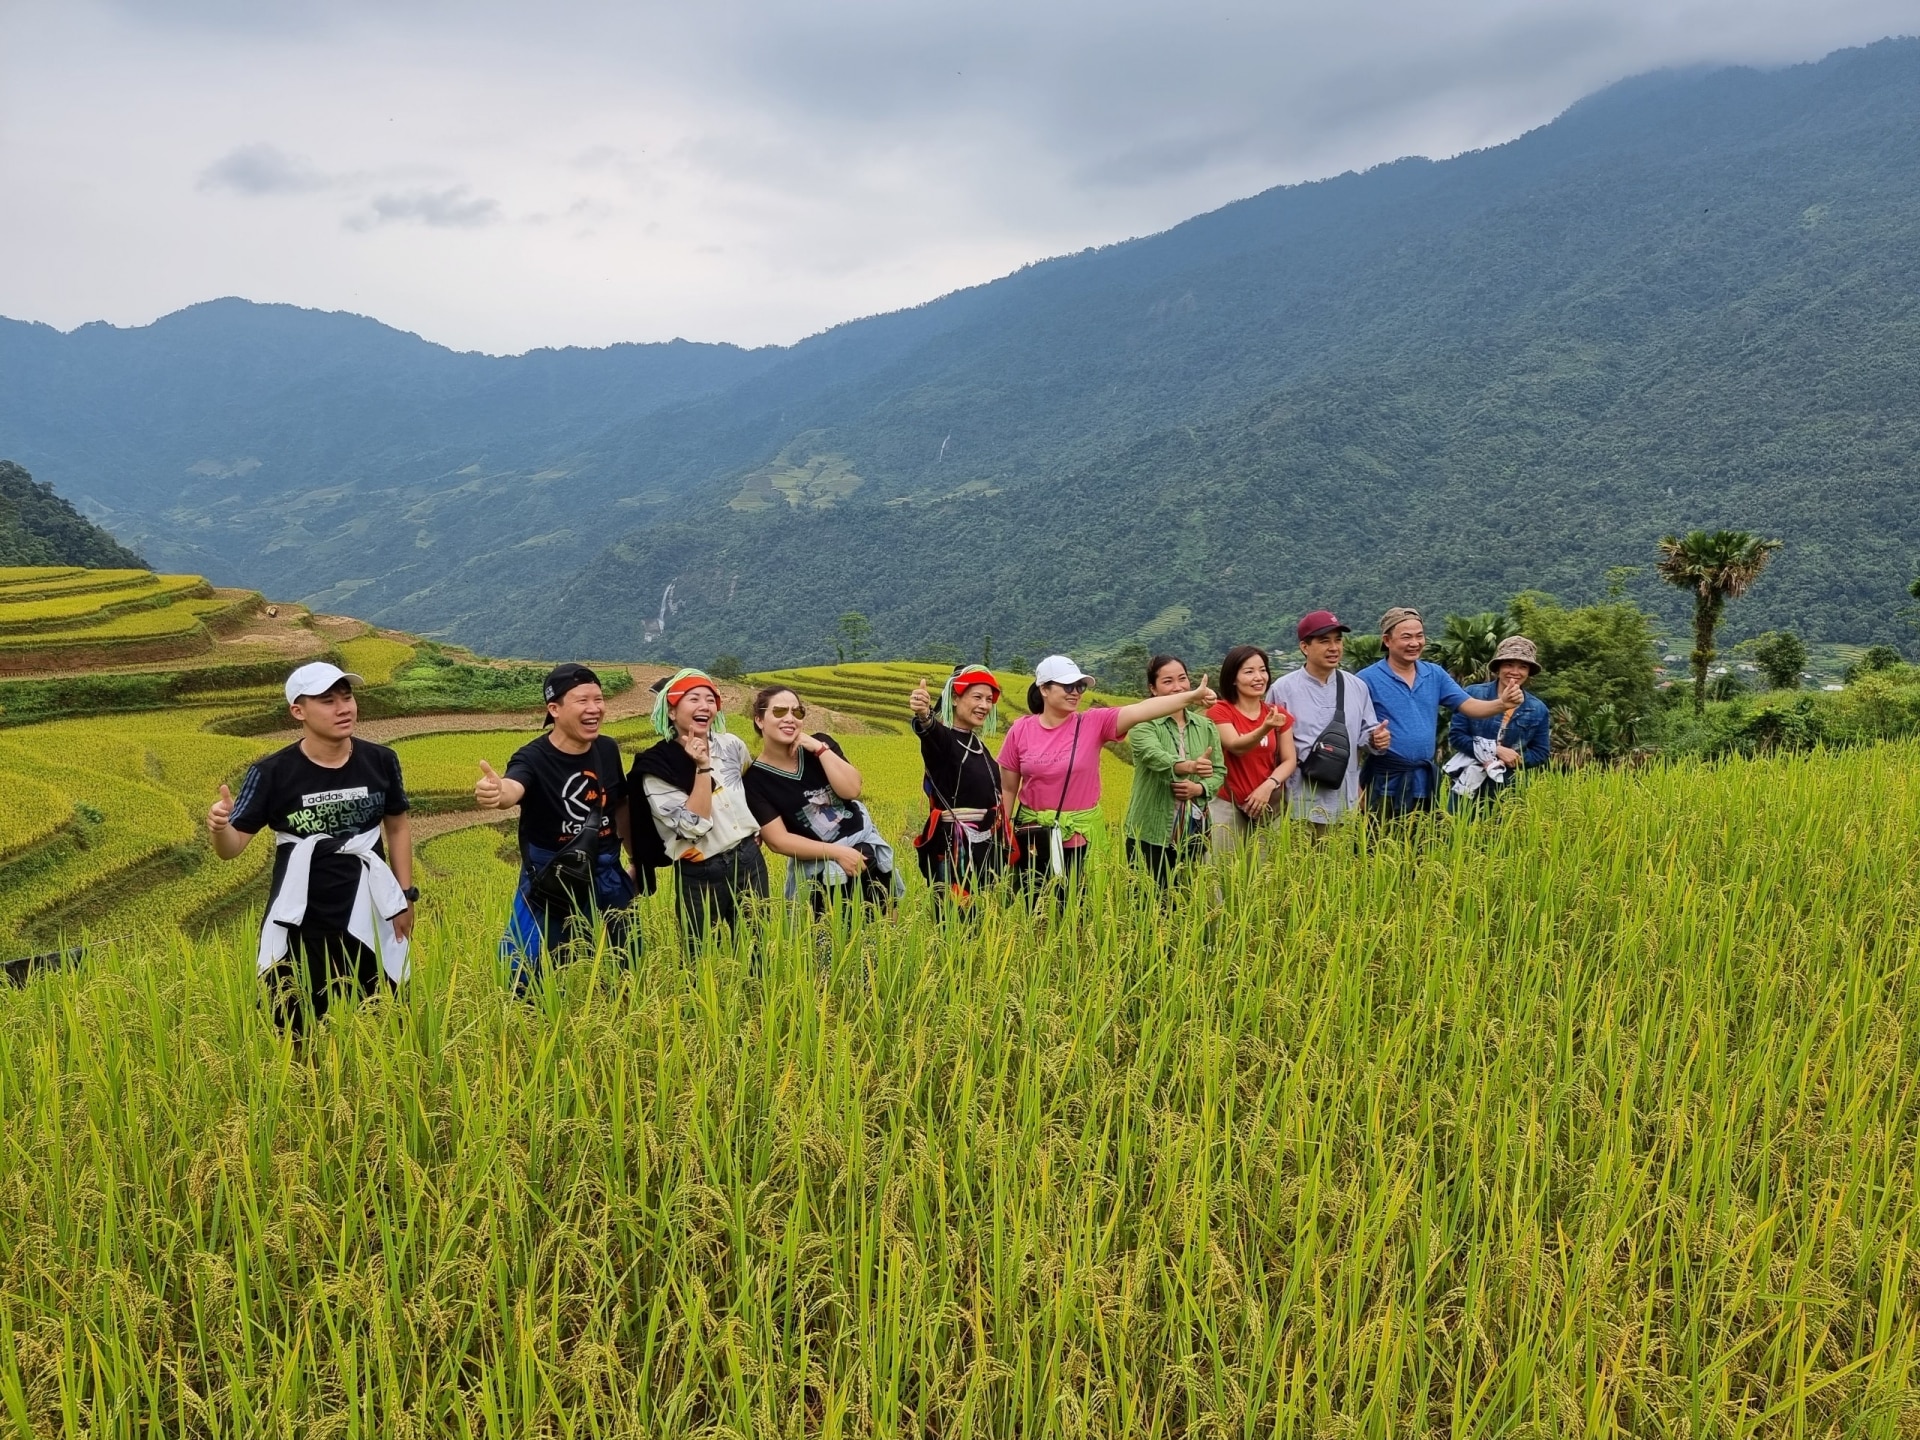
1327 758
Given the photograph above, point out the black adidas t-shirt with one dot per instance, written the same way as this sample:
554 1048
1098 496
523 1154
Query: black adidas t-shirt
562 790
287 792
804 803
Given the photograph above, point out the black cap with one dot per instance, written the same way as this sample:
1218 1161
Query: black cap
564 677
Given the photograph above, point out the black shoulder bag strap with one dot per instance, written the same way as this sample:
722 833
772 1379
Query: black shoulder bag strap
1073 753
1339 722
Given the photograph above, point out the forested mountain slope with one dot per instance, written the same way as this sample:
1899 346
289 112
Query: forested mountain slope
37 527
1689 301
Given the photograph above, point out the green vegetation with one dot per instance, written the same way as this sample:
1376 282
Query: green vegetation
443 678
253 682
1466 644
1597 671
1781 656
852 638
38 528
1595 1120
1876 705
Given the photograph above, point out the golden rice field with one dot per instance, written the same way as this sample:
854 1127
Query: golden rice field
374 657
1595 1119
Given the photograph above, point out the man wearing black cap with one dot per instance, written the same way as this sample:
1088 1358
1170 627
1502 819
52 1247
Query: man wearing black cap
571 789
1315 694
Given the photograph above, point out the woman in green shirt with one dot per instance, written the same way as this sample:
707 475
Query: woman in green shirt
1178 764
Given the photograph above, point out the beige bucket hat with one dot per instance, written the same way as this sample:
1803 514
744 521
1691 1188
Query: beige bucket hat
1517 647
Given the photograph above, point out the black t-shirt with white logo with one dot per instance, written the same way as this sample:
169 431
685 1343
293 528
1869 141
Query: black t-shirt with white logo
805 803
563 789
287 792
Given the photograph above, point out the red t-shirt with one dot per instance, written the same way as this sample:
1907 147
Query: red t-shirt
1249 770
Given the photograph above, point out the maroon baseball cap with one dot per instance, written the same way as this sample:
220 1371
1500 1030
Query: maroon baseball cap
1320 622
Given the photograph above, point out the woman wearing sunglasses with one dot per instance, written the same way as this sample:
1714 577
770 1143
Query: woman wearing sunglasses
806 795
1050 764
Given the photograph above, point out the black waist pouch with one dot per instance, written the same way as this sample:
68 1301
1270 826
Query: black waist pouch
566 881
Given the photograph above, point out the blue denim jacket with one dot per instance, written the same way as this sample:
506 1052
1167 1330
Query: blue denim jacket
1529 732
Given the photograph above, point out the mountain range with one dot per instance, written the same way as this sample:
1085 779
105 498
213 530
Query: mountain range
1691 300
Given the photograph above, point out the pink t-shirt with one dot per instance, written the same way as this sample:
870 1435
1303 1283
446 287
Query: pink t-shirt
1039 757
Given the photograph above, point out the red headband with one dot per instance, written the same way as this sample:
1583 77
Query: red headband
686 685
967 679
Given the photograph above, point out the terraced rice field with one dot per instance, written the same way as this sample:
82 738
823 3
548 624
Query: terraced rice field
26 607
128 851
58 619
1597 1118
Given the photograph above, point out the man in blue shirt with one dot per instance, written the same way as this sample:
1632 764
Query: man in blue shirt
1408 694
1521 739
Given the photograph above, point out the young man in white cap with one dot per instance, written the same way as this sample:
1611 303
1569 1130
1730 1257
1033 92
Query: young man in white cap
340 909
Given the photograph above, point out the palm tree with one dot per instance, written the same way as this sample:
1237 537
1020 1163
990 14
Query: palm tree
1467 643
1716 566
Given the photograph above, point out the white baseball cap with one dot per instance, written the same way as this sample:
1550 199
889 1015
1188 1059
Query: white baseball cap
317 679
1058 670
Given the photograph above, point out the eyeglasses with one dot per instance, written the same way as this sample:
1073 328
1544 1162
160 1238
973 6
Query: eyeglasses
1076 688
781 712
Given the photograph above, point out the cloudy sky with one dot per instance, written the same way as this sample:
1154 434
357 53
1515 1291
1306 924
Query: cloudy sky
498 176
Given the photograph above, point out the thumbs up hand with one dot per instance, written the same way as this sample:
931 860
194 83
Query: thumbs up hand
921 700
486 791
1203 692
220 812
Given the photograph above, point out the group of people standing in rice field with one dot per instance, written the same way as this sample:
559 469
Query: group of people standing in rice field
1215 771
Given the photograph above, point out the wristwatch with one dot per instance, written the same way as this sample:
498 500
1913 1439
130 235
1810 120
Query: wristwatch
412 892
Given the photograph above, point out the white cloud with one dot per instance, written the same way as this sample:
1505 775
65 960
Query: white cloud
454 208
500 176
263 170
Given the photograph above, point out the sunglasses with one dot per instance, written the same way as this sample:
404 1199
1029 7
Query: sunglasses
781 712
1074 689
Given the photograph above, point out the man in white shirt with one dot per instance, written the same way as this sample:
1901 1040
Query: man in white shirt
1311 695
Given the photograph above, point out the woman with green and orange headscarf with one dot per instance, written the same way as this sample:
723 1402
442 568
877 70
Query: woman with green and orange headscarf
690 805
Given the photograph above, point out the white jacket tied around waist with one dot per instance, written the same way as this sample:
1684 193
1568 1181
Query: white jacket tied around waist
376 901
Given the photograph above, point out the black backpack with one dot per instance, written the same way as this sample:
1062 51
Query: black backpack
1325 763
